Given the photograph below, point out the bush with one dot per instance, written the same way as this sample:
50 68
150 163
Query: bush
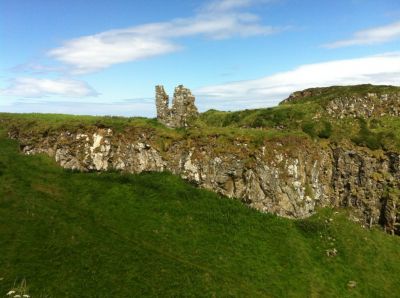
368 138
309 128
232 118
326 132
313 129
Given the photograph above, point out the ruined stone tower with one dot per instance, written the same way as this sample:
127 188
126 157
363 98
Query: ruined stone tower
183 109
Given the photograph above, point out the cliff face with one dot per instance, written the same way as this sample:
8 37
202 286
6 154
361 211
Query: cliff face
289 176
287 173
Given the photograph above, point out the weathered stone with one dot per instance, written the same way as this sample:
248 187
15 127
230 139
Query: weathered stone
352 284
290 180
332 252
183 109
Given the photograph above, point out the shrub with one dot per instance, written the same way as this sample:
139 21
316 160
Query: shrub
309 128
313 129
326 132
368 138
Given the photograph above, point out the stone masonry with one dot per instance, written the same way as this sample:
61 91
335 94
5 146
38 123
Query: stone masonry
183 109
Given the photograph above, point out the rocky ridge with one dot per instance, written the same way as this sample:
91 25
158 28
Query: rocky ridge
289 176
367 104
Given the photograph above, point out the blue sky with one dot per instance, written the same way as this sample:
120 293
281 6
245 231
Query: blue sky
105 57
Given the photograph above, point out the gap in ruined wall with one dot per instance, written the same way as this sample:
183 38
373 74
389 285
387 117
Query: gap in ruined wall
169 90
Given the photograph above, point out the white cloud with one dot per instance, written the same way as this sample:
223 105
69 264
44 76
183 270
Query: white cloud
371 36
220 19
36 88
270 90
226 5
91 53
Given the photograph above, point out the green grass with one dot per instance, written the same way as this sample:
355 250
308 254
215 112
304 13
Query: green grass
72 234
40 123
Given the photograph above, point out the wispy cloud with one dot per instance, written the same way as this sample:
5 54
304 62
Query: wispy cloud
269 90
37 88
218 20
37 68
370 36
228 5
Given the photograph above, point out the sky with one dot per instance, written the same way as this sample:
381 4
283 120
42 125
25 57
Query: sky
104 57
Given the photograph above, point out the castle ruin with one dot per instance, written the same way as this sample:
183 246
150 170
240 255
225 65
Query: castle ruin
183 109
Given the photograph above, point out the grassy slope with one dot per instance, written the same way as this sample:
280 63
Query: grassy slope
299 116
112 235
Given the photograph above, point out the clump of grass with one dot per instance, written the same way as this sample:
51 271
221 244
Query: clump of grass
372 140
322 129
19 291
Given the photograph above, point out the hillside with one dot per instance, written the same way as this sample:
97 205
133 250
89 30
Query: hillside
71 234
366 115
322 147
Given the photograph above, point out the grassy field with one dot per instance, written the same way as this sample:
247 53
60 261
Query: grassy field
69 234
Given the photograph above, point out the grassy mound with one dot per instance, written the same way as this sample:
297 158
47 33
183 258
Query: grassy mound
69 234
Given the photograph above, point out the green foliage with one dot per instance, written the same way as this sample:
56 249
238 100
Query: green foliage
370 139
277 117
314 129
71 234
326 132
309 128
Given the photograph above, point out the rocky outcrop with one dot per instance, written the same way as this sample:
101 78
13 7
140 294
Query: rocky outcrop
340 105
370 105
183 109
290 177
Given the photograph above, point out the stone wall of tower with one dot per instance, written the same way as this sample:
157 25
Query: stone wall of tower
183 110
162 103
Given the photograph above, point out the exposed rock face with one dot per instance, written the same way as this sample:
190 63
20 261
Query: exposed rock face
290 177
371 104
183 109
